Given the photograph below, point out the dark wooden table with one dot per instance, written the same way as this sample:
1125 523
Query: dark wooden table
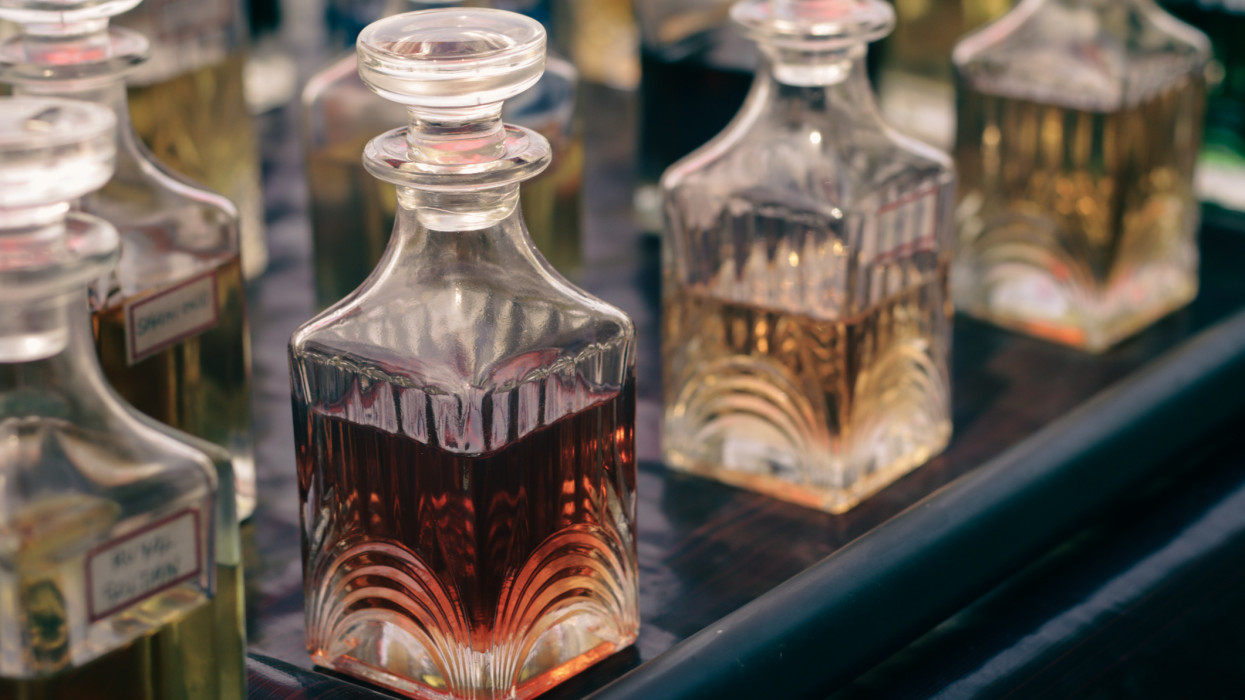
1052 489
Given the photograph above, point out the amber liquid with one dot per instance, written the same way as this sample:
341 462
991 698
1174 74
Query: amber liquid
1075 225
822 412
448 575
352 214
201 385
185 660
197 124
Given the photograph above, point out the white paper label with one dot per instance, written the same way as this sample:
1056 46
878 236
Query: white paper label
143 563
168 317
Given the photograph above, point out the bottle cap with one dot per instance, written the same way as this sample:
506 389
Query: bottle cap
68 40
453 68
452 58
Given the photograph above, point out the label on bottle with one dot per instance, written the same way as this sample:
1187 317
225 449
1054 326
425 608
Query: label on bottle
142 563
168 317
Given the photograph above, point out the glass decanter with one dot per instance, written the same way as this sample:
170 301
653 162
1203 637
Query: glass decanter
352 213
1079 125
806 319
465 419
170 319
188 103
110 523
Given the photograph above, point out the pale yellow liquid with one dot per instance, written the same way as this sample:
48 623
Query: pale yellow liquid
201 385
352 214
199 657
822 412
197 124
1077 226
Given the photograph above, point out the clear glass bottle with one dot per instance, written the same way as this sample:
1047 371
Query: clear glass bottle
464 420
806 319
188 103
352 213
1079 125
111 523
170 319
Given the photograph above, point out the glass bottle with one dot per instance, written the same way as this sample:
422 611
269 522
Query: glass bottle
1220 177
1079 125
112 583
352 213
806 319
189 105
465 420
170 319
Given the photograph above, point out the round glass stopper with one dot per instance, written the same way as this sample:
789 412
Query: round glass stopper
53 150
814 24
452 58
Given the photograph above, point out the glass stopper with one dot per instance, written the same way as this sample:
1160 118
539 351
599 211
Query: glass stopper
67 39
814 24
53 150
452 68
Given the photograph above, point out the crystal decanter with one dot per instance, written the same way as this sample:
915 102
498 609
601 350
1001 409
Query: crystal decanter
806 325
352 213
109 523
170 320
465 419
1079 126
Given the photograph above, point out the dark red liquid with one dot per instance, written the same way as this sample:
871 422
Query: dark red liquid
471 522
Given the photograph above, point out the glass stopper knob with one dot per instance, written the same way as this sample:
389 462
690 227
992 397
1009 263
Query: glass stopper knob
452 58
814 24
453 68
53 150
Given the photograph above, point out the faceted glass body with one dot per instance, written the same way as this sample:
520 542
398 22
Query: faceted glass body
352 213
465 419
467 470
112 586
1079 126
806 320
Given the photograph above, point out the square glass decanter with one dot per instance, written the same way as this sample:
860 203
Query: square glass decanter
170 318
1079 127
111 586
465 419
807 324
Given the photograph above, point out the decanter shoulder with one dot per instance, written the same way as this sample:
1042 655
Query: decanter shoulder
1081 54
461 331
819 164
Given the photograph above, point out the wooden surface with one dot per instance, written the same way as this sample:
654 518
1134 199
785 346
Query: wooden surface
705 549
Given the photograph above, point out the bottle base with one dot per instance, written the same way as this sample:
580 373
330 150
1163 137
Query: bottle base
844 484
428 686
1043 304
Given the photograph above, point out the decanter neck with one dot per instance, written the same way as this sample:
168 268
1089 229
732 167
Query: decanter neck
839 80
47 256
814 68
445 212
463 136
